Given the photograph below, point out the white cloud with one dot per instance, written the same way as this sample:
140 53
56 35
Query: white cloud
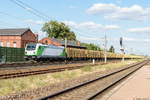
139 30
118 39
91 26
112 11
119 1
146 40
70 23
41 34
129 39
34 22
112 27
29 9
102 9
87 38
72 7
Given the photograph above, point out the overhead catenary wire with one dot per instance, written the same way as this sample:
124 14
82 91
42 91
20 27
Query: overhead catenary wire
10 15
6 24
87 36
79 32
19 18
37 11
29 9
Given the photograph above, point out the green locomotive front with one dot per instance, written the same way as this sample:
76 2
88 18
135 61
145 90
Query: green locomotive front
37 51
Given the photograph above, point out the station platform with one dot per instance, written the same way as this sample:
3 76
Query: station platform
135 87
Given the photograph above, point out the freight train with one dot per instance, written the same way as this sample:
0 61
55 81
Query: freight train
42 52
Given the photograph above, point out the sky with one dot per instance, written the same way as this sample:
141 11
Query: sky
91 20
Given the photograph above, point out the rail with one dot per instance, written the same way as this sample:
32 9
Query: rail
57 94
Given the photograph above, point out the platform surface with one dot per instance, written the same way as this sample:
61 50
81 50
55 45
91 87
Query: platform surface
136 87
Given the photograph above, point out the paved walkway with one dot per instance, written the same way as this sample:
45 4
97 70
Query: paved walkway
136 87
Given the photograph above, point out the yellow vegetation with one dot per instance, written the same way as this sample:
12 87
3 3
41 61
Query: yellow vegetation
30 82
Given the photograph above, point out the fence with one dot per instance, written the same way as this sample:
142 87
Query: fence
8 54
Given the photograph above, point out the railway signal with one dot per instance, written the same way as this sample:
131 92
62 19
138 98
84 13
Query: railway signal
121 39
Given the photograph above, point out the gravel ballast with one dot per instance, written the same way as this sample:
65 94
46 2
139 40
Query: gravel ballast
44 91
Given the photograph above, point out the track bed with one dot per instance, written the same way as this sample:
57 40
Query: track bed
66 85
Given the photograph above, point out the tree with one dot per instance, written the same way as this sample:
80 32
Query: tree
91 46
58 30
112 49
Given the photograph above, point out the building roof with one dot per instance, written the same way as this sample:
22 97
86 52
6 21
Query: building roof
69 43
14 31
62 42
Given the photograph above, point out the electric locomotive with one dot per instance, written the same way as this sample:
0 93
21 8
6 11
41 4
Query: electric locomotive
38 51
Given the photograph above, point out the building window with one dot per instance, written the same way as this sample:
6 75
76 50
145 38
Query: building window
2 44
46 42
8 44
14 44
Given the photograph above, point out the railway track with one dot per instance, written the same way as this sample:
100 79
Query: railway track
24 65
91 89
35 69
5 74
34 64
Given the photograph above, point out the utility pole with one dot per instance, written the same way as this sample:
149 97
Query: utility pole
66 49
122 48
105 49
65 43
131 51
123 55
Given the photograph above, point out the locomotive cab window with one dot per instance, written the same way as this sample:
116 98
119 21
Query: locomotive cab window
31 46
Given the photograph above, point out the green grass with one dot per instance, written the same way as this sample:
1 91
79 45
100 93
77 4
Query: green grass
65 74
86 69
25 83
